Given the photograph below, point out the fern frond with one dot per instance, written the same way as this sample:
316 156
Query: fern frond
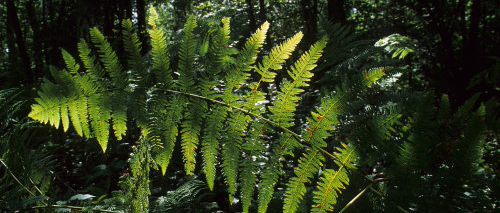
248 179
132 46
286 101
244 62
252 148
73 107
108 58
236 127
283 111
309 164
277 57
100 114
119 114
94 69
191 132
334 180
269 178
210 144
319 125
187 79
71 64
159 51
187 53
237 122
169 130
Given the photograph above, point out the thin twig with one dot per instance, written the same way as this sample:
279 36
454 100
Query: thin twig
29 178
355 198
15 178
238 108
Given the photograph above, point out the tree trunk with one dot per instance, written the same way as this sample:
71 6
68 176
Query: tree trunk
309 11
128 8
141 24
263 11
37 38
471 49
108 18
13 22
336 11
251 15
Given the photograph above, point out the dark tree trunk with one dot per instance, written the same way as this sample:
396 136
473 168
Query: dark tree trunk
141 23
471 49
108 18
37 38
262 11
309 11
336 11
127 4
13 23
251 15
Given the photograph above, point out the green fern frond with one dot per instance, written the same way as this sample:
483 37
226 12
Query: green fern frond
244 62
94 69
277 57
119 114
253 147
74 111
236 127
100 114
210 144
269 178
372 75
334 180
248 179
187 53
309 164
319 124
109 58
217 114
237 122
191 132
191 126
159 51
132 45
169 130
286 101
71 64
283 111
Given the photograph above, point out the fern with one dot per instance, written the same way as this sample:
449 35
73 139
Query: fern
192 119
319 125
334 180
159 51
217 115
238 121
208 96
283 111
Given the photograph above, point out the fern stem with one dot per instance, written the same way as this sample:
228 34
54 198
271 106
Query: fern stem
239 109
355 198
17 180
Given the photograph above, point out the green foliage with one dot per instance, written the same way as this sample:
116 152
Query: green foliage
334 180
229 107
161 118
136 184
